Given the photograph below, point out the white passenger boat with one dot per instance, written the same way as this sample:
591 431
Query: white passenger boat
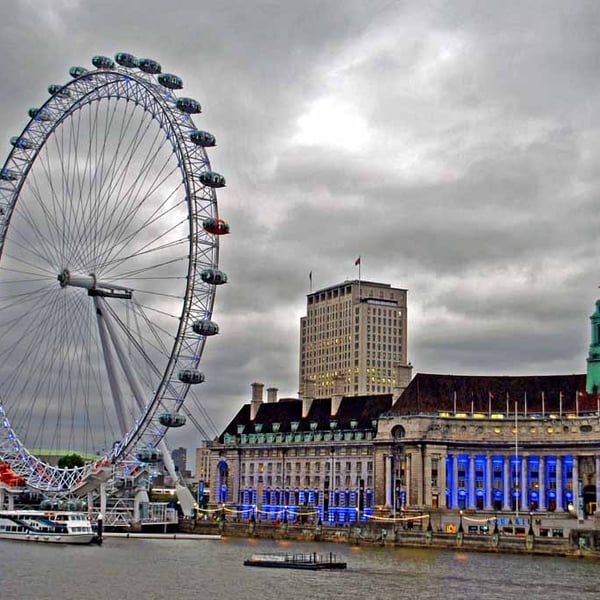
62 527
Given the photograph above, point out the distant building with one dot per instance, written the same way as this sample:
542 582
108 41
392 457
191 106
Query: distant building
179 456
202 472
354 339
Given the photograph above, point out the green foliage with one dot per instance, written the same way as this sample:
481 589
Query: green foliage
70 461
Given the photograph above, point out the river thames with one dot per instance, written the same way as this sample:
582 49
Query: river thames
212 570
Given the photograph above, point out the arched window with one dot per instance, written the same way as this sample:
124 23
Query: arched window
398 432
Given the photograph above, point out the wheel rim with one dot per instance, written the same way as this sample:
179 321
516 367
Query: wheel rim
103 216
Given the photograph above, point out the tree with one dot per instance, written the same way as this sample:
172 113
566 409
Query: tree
70 461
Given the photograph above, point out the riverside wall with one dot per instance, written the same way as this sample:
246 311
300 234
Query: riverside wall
581 543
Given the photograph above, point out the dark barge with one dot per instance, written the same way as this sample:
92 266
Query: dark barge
311 561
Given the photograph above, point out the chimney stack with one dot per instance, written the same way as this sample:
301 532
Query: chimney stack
403 375
338 394
308 396
272 394
257 399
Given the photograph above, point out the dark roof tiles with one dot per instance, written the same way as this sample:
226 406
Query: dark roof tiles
363 409
428 393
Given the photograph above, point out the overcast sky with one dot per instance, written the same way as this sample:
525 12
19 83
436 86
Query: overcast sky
454 146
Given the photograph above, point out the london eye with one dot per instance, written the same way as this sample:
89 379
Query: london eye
109 247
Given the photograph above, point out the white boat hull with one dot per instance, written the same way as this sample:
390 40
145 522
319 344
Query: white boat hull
50 538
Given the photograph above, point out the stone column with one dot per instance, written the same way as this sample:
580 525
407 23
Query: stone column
427 477
542 480
379 474
443 483
575 483
407 475
388 482
454 490
417 476
524 488
506 483
559 485
488 482
236 474
471 503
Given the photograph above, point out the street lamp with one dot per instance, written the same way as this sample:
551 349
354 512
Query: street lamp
530 532
496 533
429 531
460 533
530 536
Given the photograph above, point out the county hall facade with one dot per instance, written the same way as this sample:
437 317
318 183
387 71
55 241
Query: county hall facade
491 445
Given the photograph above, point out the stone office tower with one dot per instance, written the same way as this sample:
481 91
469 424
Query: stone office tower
353 341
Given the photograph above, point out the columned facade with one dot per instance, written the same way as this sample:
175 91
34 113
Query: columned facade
347 458
475 465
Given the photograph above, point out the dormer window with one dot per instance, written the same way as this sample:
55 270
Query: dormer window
276 427
313 426
294 425
240 428
333 424
354 423
257 427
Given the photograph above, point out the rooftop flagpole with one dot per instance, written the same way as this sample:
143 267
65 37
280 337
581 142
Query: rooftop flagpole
560 404
357 264
543 406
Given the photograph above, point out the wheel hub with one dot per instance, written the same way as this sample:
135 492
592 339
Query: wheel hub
93 286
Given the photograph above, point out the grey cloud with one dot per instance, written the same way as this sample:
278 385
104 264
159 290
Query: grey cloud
474 184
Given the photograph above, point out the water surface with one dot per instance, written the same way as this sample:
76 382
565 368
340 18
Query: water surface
212 570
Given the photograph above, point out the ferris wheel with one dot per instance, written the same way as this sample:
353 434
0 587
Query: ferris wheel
109 246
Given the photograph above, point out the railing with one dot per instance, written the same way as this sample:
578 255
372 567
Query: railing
121 513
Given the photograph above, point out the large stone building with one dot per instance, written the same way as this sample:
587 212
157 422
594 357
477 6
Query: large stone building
490 445
313 455
354 335
496 446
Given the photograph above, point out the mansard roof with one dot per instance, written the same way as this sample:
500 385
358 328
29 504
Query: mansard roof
362 409
429 393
